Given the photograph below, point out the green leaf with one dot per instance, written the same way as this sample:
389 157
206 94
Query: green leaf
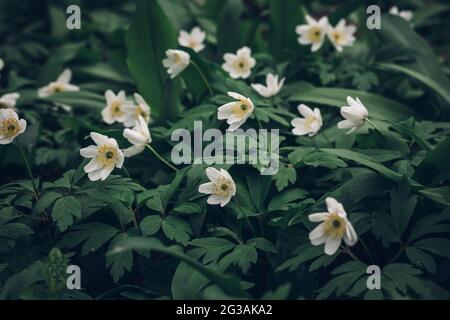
229 27
150 225
439 246
95 234
284 17
46 201
243 255
343 10
397 33
345 276
176 229
64 211
436 164
79 100
379 107
258 186
210 248
405 276
121 261
14 230
188 208
440 195
285 175
187 283
421 259
149 36
439 88
366 161
262 244
402 206
284 201
229 285
303 253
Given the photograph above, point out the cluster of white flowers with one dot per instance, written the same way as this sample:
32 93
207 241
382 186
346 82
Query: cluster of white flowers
314 32
119 109
405 14
355 115
107 155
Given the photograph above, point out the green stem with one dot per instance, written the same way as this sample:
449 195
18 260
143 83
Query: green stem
351 254
134 219
126 171
326 138
245 217
161 158
373 125
367 250
203 78
29 170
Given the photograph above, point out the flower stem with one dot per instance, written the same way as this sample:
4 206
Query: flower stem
203 78
161 158
367 250
126 171
373 125
29 170
245 217
351 254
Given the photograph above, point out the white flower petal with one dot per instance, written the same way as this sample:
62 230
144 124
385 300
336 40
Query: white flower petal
89 152
332 245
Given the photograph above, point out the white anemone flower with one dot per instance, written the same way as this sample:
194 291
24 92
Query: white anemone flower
236 112
62 84
105 156
239 65
355 115
116 105
8 101
310 124
405 14
342 35
193 40
10 125
221 186
313 32
176 62
272 87
138 136
334 227
135 110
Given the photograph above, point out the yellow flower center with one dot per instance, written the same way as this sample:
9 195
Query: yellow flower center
116 108
192 44
335 226
309 121
107 155
177 58
240 108
10 127
315 34
240 64
222 187
337 36
140 112
58 87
